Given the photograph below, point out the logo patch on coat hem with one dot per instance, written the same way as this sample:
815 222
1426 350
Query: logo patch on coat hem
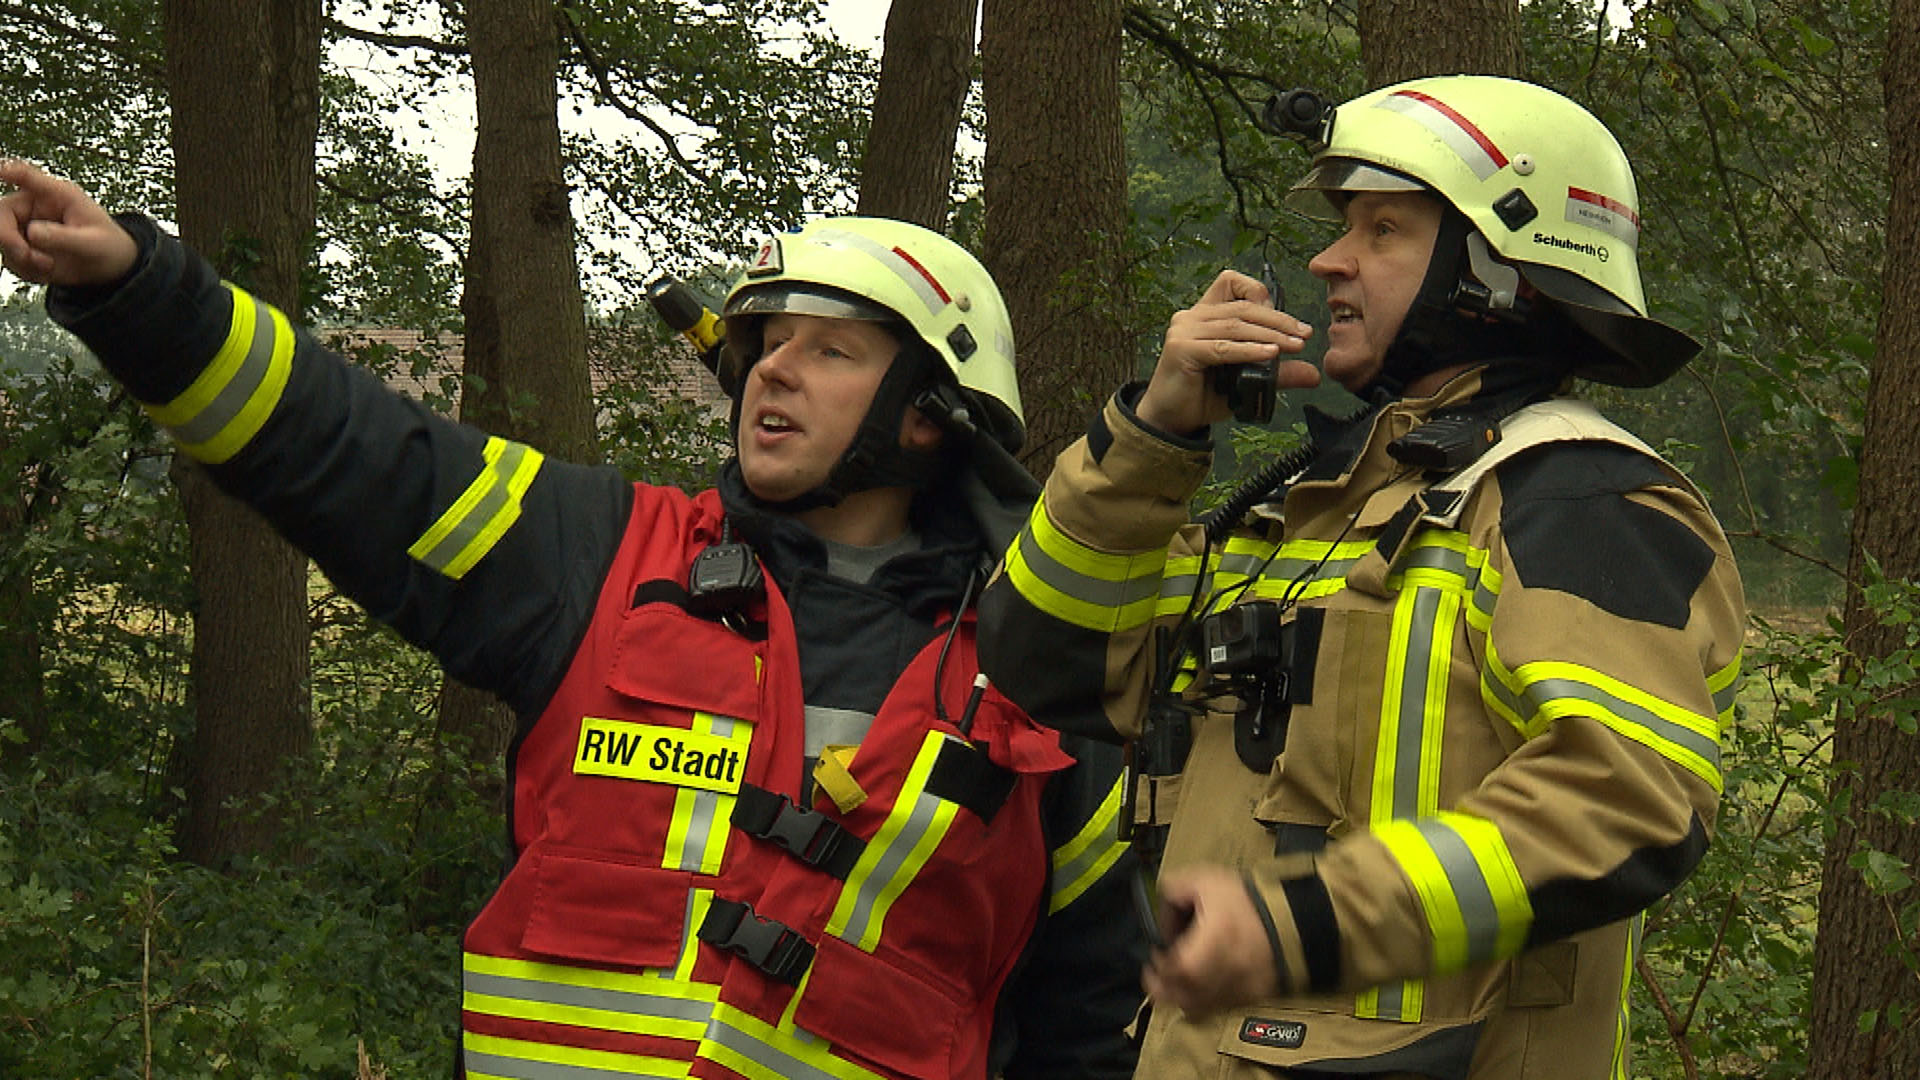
1284 1034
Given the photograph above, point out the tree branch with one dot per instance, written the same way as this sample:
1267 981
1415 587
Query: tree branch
603 81
393 41
119 50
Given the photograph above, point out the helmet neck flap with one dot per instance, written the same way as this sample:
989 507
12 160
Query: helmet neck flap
875 458
1456 317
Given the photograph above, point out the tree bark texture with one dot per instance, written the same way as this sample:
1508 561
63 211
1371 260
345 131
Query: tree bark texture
526 336
1858 964
925 71
1057 210
22 693
243 77
1406 39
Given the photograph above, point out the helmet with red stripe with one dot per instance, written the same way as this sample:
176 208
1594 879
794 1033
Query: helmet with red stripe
957 360
1540 182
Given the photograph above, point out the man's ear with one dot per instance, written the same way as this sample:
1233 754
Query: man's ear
919 433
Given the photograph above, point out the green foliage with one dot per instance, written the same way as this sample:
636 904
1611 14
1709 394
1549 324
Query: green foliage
1728 961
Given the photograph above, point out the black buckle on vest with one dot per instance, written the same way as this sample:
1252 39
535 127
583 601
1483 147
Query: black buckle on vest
773 947
812 837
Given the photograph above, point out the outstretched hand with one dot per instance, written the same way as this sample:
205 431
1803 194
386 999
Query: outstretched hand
53 233
1234 322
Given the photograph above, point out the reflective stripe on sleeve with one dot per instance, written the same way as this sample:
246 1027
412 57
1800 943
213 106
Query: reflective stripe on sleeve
1081 861
1725 686
483 512
1542 691
225 407
1475 902
1078 585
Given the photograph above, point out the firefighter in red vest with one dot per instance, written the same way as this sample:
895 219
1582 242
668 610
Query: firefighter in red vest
767 819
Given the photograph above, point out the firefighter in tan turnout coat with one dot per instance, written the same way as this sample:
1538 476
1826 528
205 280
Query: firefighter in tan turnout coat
1433 709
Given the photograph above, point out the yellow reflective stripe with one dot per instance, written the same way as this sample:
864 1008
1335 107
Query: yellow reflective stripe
1724 685
1079 585
702 820
483 512
1542 691
1406 762
760 1051
913 829
225 407
1486 594
698 902
1081 861
1401 1002
1635 927
649 1004
518 1059
1300 570
1469 887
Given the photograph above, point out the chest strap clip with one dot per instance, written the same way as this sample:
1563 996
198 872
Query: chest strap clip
809 835
773 947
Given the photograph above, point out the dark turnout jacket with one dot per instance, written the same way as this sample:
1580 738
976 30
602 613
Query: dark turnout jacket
496 559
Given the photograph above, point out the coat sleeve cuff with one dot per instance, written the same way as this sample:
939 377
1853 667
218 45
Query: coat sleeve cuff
156 328
1123 489
1302 931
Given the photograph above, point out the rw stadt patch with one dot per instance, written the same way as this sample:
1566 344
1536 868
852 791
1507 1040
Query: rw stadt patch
1284 1034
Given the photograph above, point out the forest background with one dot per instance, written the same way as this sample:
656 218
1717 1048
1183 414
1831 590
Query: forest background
241 827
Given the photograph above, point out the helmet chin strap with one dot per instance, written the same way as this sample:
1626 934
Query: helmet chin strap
1468 310
875 458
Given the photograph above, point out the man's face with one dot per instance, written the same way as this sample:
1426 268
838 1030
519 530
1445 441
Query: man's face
1373 272
805 397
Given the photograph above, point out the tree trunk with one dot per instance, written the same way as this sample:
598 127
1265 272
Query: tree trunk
1405 39
243 77
526 337
1056 197
925 70
1861 960
22 694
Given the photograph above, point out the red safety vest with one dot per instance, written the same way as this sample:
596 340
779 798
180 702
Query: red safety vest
674 913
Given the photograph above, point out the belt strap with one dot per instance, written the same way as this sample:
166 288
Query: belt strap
773 947
809 835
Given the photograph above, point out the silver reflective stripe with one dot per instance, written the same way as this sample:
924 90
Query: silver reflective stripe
1723 698
1537 694
1391 1001
706 815
1084 587
1470 889
442 553
239 390
1081 861
587 997
919 822
1438 557
523 1069
892 260
835 727
1411 728
771 1058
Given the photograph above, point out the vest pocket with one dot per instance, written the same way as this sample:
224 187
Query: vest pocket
1544 976
662 654
898 1020
594 909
